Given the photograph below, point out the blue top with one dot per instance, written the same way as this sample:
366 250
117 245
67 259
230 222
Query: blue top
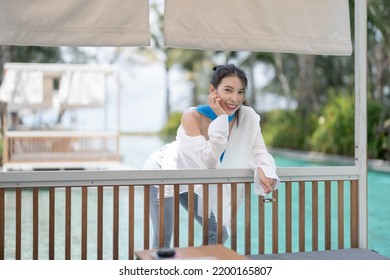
206 110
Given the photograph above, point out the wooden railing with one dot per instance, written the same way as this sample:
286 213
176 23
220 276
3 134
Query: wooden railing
60 146
105 215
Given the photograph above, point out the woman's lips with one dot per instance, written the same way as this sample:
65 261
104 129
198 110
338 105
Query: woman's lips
231 107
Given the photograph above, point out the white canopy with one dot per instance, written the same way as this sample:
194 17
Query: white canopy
82 89
31 85
24 88
299 26
74 22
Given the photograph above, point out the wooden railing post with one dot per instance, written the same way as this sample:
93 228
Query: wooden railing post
2 223
288 214
176 215
314 217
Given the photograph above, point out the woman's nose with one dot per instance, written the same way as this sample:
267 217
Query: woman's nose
235 97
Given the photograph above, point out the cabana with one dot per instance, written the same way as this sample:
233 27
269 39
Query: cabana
298 26
39 88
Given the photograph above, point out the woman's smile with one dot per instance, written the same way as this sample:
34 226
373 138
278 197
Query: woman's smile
230 107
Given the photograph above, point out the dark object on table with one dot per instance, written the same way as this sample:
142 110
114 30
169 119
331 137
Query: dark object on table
166 252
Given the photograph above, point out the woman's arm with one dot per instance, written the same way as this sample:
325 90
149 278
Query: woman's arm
264 164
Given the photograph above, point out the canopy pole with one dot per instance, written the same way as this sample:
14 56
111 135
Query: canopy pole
361 114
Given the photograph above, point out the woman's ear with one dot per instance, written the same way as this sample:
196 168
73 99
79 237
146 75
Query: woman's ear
212 89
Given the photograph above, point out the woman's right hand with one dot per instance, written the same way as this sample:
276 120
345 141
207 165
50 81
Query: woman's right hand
268 184
214 102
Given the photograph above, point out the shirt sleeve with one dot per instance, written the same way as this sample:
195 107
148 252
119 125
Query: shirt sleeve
197 151
262 158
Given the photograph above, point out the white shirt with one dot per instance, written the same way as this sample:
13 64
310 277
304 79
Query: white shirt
244 148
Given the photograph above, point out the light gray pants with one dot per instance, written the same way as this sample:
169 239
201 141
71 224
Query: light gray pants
168 218
152 163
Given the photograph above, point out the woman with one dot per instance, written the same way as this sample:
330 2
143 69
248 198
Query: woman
223 134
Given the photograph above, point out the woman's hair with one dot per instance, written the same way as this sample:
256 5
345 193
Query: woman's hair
228 70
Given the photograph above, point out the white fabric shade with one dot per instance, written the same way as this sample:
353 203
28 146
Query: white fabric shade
31 85
74 22
297 26
82 89
24 89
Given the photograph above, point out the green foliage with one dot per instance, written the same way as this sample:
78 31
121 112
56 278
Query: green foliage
170 128
334 133
330 131
281 128
335 129
377 133
35 54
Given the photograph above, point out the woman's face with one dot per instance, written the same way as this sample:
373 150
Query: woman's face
232 93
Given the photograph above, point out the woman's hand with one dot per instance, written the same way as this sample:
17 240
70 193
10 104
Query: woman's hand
268 184
214 102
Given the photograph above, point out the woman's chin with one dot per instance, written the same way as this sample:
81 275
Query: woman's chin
230 111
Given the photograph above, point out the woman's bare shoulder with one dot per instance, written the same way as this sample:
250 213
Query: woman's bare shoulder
190 121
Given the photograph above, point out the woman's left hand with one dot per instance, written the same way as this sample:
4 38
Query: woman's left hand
214 103
268 184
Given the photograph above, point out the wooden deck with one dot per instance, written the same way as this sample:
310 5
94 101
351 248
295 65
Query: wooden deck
33 150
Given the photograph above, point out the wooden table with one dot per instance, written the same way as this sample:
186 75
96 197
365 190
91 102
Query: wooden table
216 252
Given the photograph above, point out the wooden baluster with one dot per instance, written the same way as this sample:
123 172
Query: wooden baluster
288 217
302 216
18 223
233 211
191 197
115 226
68 220
328 211
219 212
176 215
52 215
205 220
275 222
100 198
146 216
35 223
131 223
354 197
248 218
2 227
314 217
161 197
340 210
84 222
261 215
